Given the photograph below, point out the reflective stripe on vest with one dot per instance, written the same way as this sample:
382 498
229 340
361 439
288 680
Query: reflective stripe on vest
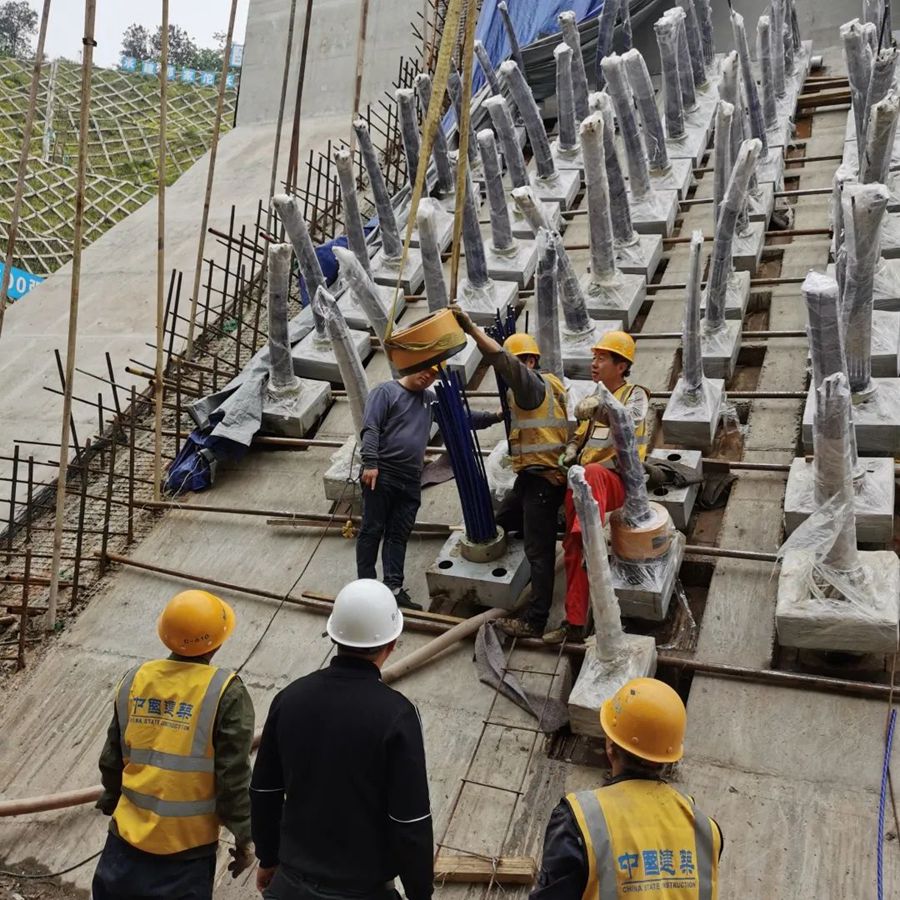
537 437
645 837
599 446
166 711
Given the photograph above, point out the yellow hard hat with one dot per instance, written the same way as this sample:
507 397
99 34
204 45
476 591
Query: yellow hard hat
521 344
195 622
646 718
618 342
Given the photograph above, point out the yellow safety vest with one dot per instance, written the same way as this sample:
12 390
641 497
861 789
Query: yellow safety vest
537 437
644 837
598 446
166 711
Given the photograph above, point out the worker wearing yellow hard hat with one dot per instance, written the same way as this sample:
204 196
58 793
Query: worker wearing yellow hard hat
176 763
538 431
636 834
592 447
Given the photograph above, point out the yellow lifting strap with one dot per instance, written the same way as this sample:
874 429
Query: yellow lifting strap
432 122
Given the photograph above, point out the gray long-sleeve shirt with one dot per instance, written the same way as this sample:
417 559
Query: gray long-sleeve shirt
527 385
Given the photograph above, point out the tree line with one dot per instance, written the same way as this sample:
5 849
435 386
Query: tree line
142 43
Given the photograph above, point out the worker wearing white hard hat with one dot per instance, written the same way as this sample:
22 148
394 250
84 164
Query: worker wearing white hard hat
339 795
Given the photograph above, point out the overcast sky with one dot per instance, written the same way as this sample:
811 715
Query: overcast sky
199 17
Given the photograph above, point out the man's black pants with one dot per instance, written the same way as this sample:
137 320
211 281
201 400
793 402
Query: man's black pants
290 885
532 508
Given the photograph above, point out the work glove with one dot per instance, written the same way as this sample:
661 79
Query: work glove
463 319
569 456
656 477
241 859
587 408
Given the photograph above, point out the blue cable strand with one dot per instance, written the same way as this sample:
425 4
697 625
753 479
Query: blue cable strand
885 769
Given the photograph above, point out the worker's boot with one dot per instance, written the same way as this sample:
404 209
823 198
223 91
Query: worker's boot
404 601
519 628
573 634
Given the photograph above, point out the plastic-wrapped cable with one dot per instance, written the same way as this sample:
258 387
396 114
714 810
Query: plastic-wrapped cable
490 75
720 267
435 287
606 24
281 371
619 90
754 107
692 361
707 35
623 229
548 305
501 228
572 38
571 296
514 50
764 55
476 264
730 93
858 60
349 363
788 39
610 636
876 160
356 237
439 151
567 142
531 115
776 47
642 87
528 206
365 291
501 119
454 83
864 207
603 256
387 221
722 144
288 209
667 39
685 69
409 131
694 42
627 32
791 15
884 66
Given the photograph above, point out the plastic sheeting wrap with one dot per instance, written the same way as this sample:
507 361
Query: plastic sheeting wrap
364 290
439 151
567 142
500 475
514 50
623 229
863 209
547 302
692 361
722 168
387 221
694 42
619 90
572 38
788 37
776 48
349 364
605 27
751 94
707 34
501 119
281 371
764 55
884 67
409 131
881 128
288 209
501 227
642 88
685 70
574 306
490 75
603 254
435 287
356 237
858 60
454 84
667 38
534 125
476 264
720 266
729 92
610 636
527 204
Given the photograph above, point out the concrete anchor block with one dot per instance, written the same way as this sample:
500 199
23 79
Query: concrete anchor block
654 214
341 478
747 248
720 351
498 583
567 161
873 498
562 188
640 258
355 316
886 288
770 169
619 302
482 302
576 349
885 344
890 236
693 424
517 265
465 362
552 212
678 177
443 228
599 680
314 358
876 420
645 589
691 145
737 295
296 413
385 271
836 623
762 204
678 502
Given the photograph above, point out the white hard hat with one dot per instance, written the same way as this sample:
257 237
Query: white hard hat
365 615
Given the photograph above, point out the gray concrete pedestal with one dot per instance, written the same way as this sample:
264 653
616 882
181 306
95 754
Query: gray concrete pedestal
677 501
770 169
341 478
564 160
385 271
886 288
355 316
465 362
737 295
481 303
826 623
314 358
619 301
552 213
562 188
885 344
295 413
692 422
679 177
640 258
443 228
762 203
654 214
876 421
720 350
645 590
747 248
576 349
517 265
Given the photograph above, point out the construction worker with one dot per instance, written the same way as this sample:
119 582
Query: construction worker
592 446
539 428
339 793
176 763
397 423
636 834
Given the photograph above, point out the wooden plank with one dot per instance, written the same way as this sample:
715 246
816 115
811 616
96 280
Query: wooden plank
478 869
